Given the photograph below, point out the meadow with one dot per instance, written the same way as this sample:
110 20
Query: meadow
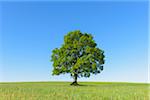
63 91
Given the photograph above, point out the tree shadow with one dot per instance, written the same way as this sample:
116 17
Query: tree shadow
81 85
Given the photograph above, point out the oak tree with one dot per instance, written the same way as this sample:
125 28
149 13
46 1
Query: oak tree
79 56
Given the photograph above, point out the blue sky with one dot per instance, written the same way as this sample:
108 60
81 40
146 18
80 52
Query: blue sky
31 30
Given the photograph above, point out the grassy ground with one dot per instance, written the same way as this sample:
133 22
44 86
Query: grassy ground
63 91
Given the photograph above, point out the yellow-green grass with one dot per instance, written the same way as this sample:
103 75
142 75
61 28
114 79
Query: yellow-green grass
63 91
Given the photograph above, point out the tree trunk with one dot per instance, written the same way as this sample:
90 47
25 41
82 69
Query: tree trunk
75 80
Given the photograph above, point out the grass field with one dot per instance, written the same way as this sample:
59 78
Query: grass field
63 91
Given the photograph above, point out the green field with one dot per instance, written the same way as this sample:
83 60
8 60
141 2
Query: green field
63 91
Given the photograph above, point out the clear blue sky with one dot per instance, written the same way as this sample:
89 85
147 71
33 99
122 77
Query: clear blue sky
31 30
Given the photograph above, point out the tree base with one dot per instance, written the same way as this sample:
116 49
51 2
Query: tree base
74 84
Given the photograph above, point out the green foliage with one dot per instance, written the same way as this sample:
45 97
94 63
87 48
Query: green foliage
78 55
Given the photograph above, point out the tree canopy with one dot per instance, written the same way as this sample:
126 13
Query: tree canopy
78 55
